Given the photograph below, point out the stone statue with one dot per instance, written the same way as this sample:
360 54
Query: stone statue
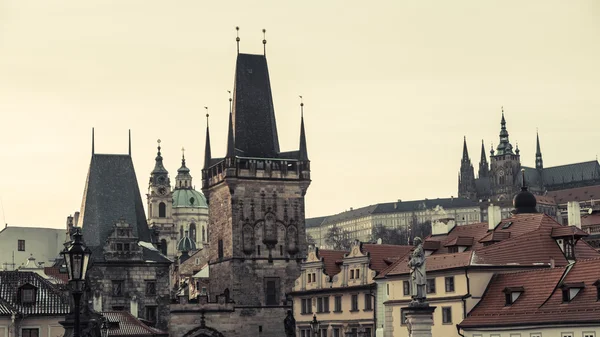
418 280
290 325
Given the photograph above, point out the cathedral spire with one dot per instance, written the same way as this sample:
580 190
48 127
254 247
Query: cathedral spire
465 156
504 147
483 164
303 149
207 155
539 162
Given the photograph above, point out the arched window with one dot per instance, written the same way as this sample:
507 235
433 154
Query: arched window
193 231
203 234
163 246
181 232
162 210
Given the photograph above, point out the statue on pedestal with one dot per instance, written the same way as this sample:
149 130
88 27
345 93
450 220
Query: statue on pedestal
290 325
418 280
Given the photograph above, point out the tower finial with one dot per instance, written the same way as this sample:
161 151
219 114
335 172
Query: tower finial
524 187
237 39
264 41
183 153
207 154
230 102
301 106
93 150
130 142
158 141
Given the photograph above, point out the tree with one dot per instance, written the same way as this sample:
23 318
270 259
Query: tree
422 229
390 236
310 240
338 238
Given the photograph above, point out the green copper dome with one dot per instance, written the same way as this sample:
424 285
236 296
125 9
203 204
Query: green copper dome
186 244
188 198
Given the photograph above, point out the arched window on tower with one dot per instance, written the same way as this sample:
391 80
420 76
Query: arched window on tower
193 231
163 246
203 234
180 232
162 210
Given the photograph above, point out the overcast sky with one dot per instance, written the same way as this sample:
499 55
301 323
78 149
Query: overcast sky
390 89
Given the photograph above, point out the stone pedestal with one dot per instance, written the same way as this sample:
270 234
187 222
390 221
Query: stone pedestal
419 320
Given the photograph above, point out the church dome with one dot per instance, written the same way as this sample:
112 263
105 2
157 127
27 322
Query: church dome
186 244
524 201
188 198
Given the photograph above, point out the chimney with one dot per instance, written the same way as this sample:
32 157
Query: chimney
442 226
574 214
552 264
75 218
494 216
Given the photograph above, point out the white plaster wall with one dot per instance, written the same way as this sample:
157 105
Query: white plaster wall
44 244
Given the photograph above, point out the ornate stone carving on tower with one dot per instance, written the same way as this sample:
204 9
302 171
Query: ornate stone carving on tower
256 202
505 166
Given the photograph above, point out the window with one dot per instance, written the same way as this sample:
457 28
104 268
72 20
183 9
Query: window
272 290
406 288
566 334
565 295
151 314
387 287
336 332
447 315
281 250
569 249
533 334
306 306
193 231
150 288
352 274
326 304
126 247
431 286
257 249
27 295
30 332
117 288
323 332
319 304
21 246
163 246
589 334
220 249
354 303
368 332
162 210
368 302
357 273
338 304
449 281
453 249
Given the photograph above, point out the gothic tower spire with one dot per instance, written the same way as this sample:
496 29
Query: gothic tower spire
539 163
467 176
465 156
303 149
504 147
483 164
230 135
207 155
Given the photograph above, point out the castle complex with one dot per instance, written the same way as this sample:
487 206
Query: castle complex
500 180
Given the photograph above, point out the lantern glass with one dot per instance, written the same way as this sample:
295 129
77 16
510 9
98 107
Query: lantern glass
104 329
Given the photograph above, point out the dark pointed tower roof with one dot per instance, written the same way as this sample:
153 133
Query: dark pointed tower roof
504 147
230 135
183 168
465 156
207 154
483 155
159 168
524 201
539 162
303 155
255 129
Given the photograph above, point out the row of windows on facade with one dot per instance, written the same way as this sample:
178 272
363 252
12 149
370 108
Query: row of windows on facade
322 304
539 334
337 332
258 250
118 288
446 316
448 282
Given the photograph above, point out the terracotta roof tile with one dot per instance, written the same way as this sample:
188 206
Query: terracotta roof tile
379 254
475 231
129 325
330 258
460 241
432 263
590 220
541 302
566 231
575 194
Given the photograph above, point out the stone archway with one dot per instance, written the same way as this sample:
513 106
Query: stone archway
203 331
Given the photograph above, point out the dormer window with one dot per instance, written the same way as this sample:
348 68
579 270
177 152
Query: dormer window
569 249
27 294
570 290
511 294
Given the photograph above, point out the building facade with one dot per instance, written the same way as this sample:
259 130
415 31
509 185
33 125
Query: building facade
173 211
17 244
501 179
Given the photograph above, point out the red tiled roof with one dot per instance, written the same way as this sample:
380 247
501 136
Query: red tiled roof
567 231
575 194
475 231
431 245
432 262
129 325
541 302
330 258
590 220
55 273
379 253
495 237
460 241
545 199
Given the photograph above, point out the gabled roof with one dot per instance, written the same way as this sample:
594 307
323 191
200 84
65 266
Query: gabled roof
541 302
48 302
253 112
379 254
124 324
111 192
432 263
330 260
475 231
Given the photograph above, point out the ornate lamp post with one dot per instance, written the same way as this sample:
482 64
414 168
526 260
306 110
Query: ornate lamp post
314 326
77 257
104 328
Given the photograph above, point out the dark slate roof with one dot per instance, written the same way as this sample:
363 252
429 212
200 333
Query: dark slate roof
49 301
407 206
111 192
253 112
122 323
314 222
483 186
571 173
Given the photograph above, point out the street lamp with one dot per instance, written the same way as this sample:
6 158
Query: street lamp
77 257
104 328
314 326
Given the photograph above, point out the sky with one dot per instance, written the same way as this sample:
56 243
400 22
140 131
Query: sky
390 90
